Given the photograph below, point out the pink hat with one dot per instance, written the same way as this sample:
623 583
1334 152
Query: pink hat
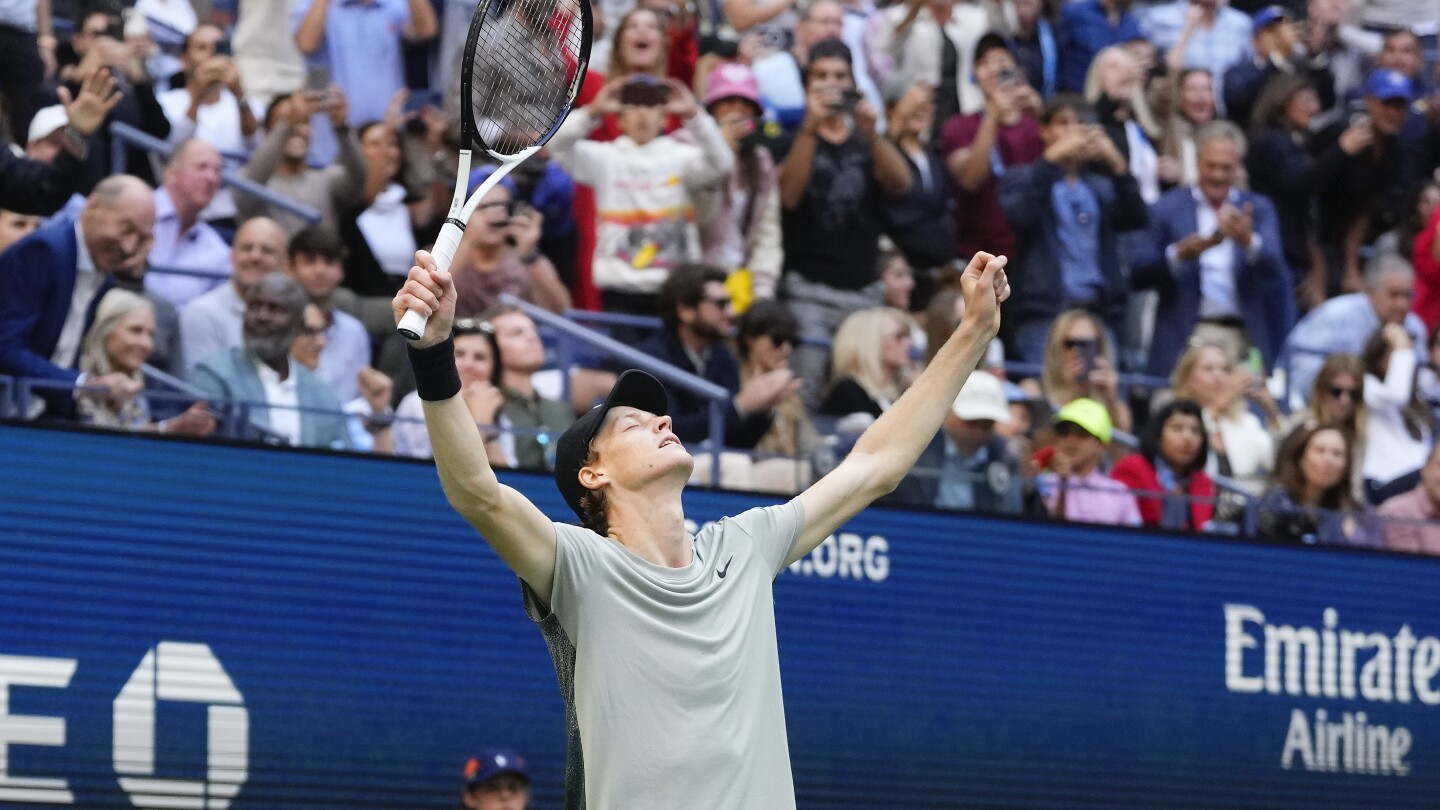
732 80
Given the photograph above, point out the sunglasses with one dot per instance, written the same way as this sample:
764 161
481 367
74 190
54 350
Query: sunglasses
1336 392
1077 343
784 340
473 325
723 303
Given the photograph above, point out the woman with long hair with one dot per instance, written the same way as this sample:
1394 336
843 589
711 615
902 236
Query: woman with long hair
119 341
1115 85
1280 163
1241 446
1310 499
1168 474
1193 106
1398 429
869 360
477 360
1080 362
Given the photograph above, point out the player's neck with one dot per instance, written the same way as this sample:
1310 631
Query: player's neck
651 523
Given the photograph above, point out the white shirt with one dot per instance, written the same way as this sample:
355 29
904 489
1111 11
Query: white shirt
1390 450
87 283
1217 264
216 123
199 248
283 399
386 226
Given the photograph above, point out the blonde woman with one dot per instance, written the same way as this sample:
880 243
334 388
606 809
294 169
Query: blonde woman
1115 85
119 342
1241 446
1080 362
868 363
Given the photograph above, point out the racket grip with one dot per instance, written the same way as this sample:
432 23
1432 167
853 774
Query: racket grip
412 324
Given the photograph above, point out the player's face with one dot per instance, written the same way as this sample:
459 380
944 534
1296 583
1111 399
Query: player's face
635 447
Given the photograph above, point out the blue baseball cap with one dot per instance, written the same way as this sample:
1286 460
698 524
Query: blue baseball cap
478 175
1388 85
489 764
1270 15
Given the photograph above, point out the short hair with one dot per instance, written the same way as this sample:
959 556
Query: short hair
829 49
1385 263
685 287
184 146
316 242
1150 442
766 318
287 289
111 188
1221 130
1060 102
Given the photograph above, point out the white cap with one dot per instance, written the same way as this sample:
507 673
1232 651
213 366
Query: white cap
47 121
983 397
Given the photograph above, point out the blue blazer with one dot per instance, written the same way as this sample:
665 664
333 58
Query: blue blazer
230 375
1263 287
37 279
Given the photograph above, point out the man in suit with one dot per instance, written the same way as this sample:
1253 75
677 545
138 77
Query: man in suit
696 310
51 281
1213 253
287 401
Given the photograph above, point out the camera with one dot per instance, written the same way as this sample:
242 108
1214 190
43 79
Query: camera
849 99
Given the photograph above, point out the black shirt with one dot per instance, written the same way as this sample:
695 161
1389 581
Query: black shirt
830 237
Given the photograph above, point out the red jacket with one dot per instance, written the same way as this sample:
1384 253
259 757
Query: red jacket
1136 471
1427 274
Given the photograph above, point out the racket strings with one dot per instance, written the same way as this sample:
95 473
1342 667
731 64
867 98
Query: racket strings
527 54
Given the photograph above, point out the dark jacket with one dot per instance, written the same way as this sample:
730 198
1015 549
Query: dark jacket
1036 286
691 413
1245 81
31 187
37 279
919 221
1262 282
1283 170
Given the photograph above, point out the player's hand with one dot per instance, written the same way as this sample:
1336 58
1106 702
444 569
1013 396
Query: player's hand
431 292
985 286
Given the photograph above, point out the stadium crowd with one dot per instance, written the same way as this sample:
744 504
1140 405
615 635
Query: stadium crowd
1222 218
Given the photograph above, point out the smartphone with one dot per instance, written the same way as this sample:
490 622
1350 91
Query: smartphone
317 80
1089 350
644 91
1006 76
1255 362
849 99
223 48
420 99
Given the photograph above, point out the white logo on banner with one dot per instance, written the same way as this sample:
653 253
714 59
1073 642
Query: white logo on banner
188 673
16 729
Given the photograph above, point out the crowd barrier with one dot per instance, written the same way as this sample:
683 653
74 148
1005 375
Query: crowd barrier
198 625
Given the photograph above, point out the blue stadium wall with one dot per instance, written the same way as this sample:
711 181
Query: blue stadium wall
192 625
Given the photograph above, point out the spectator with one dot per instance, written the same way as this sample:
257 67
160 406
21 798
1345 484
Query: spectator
1367 193
1080 364
361 47
644 227
1402 52
539 420
977 471
1426 256
27 59
311 341
1066 210
496 780
214 321
137 106
1199 33
1401 238
1114 86
1086 28
1034 44
920 222
15 226
765 337
316 262
1311 500
499 253
378 229
119 342
287 402
270 64
1338 398
869 365
898 279
1071 482
211 103
781 75
477 361
1168 474
1194 108
1282 167
697 313
1241 447
933 42
1411 520
1343 324
1399 430
831 185
53 280
979 149
182 240
43 183
280 164
1275 42
1212 252
745 232
1329 33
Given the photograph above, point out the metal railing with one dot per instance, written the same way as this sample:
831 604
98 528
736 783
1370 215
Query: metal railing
123 135
573 333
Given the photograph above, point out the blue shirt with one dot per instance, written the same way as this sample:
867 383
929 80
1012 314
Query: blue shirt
1216 49
1085 29
1077 219
362 49
1342 324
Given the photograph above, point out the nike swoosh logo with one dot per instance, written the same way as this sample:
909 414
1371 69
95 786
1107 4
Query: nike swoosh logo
721 573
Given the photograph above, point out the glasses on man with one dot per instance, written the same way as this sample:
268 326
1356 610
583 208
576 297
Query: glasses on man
723 303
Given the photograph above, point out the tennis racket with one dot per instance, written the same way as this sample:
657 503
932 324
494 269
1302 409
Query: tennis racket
523 65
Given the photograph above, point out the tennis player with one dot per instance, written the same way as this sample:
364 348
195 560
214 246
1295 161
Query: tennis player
663 641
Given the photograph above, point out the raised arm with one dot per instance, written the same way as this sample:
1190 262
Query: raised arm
517 530
890 447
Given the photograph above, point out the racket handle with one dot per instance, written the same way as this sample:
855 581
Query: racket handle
412 324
